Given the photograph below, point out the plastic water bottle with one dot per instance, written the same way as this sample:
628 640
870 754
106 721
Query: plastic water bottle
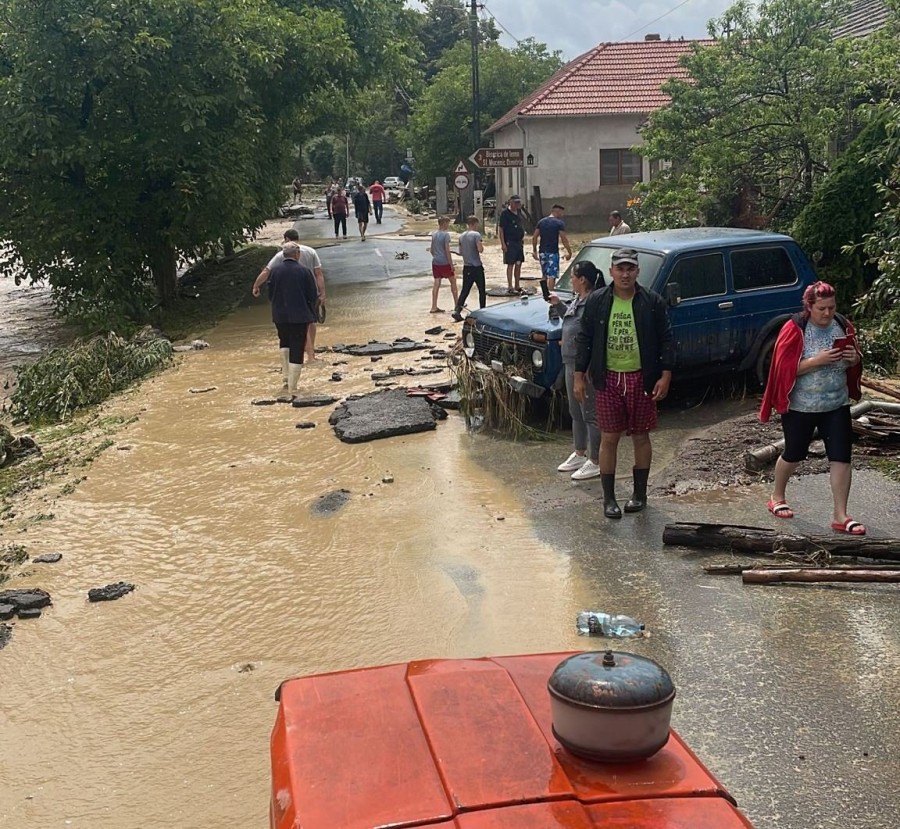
596 623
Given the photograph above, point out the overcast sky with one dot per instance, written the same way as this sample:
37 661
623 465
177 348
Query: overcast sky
574 26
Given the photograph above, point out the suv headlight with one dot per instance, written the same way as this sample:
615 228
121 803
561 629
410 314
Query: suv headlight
537 359
469 339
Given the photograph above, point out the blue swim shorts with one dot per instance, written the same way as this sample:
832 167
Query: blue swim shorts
549 264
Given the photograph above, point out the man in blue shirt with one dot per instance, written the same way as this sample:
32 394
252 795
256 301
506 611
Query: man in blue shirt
550 230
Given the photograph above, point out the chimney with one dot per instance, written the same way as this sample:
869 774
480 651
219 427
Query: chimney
653 36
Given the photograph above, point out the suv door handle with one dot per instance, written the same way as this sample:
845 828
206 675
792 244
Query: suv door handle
724 306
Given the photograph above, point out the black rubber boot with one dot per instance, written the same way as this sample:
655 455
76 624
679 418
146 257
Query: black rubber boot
610 505
638 500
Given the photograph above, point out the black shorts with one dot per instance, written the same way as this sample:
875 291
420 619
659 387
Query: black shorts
834 427
362 216
515 252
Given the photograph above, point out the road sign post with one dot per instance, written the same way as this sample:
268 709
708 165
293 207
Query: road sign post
497 157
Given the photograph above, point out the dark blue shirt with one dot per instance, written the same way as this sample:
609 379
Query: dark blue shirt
511 225
549 228
293 293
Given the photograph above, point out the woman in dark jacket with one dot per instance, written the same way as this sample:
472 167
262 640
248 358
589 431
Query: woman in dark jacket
583 463
815 372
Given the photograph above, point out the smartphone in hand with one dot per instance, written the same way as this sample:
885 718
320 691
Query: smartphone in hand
841 343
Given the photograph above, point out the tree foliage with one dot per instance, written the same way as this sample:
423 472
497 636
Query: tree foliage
881 303
443 24
135 132
843 210
748 136
440 127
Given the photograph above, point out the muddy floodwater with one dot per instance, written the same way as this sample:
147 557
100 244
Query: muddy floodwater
155 710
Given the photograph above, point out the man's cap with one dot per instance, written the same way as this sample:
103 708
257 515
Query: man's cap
623 255
515 198
290 248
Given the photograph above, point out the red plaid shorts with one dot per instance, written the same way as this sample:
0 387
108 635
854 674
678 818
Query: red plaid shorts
624 406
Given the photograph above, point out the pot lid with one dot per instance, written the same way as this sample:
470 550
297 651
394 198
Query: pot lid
611 679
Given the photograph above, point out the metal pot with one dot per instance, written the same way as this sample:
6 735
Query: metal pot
612 706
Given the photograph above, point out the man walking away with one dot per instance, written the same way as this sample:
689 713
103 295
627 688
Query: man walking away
550 230
470 248
297 184
512 235
617 226
362 208
376 193
625 342
339 208
309 258
294 297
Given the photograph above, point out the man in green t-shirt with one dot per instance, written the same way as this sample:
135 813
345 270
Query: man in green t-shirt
626 343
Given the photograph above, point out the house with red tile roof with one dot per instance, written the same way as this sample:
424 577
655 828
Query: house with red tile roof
578 127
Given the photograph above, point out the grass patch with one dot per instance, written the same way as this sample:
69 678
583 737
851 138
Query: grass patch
210 291
84 373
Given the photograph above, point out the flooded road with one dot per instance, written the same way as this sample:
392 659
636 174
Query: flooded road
155 711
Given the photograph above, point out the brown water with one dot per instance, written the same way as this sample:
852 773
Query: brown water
28 327
156 710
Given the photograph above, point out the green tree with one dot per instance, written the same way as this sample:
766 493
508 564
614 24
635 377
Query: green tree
322 154
443 24
137 132
880 305
843 210
748 135
440 127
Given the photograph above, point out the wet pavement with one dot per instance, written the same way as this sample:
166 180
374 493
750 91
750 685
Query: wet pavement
155 710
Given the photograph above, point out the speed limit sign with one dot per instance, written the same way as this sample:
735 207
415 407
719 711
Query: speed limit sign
461 181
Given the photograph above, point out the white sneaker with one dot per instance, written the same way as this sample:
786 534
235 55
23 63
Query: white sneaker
574 461
587 470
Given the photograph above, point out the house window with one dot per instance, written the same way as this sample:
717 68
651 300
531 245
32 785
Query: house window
620 167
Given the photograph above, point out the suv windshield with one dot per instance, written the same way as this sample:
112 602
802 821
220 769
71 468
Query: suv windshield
650 265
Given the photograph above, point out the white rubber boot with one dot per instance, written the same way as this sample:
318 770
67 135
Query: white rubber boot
294 370
285 362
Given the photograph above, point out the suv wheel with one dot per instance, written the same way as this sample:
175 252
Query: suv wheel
764 360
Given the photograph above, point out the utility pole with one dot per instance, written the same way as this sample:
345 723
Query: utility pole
476 88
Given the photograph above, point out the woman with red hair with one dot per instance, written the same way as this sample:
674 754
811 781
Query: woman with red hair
816 370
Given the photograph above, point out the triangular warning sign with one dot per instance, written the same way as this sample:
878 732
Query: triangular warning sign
461 168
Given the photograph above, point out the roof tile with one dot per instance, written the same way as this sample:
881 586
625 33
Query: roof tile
610 78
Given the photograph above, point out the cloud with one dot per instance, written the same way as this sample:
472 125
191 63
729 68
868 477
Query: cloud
574 26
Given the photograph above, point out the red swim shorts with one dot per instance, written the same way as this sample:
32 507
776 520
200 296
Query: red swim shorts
624 406
442 271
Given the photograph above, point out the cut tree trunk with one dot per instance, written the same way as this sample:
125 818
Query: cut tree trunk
758 540
881 388
738 569
819 575
164 266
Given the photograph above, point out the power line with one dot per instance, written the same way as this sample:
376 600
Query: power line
494 18
655 20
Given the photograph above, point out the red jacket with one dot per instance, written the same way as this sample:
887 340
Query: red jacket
786 357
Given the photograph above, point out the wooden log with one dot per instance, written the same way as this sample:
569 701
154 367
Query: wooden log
883 406
758 540
819 575
737 569
881 388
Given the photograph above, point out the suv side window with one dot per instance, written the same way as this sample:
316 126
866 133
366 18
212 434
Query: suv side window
698 276
761 268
